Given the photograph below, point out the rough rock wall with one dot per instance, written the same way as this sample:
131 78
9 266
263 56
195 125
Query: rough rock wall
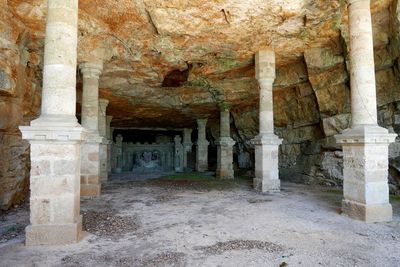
311 96
312 104
19 103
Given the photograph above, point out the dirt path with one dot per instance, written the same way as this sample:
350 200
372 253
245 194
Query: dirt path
163 223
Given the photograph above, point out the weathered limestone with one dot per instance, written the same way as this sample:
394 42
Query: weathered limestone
187 146
202 146
55 137
91 149
365 145
103 103
110 142
266 143
225 146
178 154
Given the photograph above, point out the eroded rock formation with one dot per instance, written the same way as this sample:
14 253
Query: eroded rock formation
168 63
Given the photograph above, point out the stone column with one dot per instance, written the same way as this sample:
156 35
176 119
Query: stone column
178 154
187 146
91 149
113 160
202 146
55 137
110 142
266 143
118 153
365 144
225 146
103 103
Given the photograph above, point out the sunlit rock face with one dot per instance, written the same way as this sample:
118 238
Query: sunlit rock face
167 63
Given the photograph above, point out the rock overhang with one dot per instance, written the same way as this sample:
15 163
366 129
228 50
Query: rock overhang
141 42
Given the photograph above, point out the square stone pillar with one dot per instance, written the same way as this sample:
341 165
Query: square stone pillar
266 143
365 173
365 144
103 103
55 185
187 146
90 167
56 136
91 149
225 146
201 146
267 163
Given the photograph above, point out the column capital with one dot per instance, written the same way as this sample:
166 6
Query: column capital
265 65
187 130
103 103
109 119
224 107
202 122
91 69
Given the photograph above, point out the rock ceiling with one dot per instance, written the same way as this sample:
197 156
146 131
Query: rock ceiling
168 62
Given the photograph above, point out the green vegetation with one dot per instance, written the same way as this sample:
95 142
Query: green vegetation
225 64
203 181
337 191
199 82
337 22
394 198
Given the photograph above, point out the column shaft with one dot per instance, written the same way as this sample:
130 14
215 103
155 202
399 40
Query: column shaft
187 146
178 156
202 146
266 107
90 96
225 147
60 60
103 103
225 130
110 142
118 153
362 66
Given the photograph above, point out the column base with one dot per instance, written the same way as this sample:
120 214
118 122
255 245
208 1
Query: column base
90 190
367 213
267 185
365 173
266 163
225 174
54 234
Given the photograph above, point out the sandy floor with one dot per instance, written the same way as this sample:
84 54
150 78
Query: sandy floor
189 224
